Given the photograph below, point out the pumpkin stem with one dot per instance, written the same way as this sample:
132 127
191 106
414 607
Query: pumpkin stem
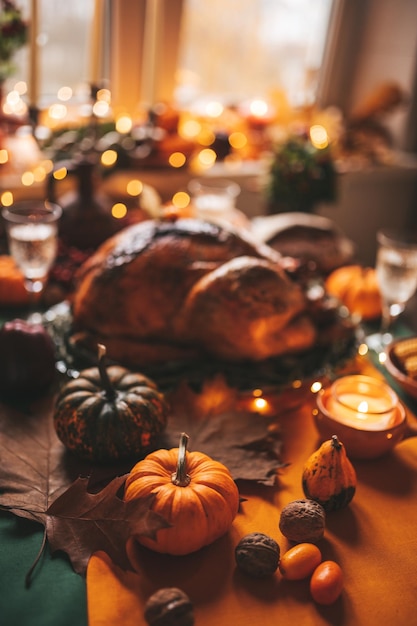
336 443
105 380
180 478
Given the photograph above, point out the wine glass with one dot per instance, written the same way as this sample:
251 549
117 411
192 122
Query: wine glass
396 269
213 198
32 233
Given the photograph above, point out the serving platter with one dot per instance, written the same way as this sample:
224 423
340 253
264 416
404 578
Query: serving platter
324 359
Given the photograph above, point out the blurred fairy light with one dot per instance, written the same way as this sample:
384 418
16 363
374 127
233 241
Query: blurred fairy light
134 187
108 158
177 159
104 95
64 93
206 137
60 173
57 111
319 137
21 87
363 349
181 199
260 404
119 210
101 108
258 108
27 179
124 124
4 156
316 386
238 140
189 129
207 157
214 109
7 198
13 104
382 357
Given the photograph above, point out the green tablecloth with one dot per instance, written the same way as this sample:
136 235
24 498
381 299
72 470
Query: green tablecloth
56 596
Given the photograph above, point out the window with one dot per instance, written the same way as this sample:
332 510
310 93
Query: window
240 49
234 48
62 51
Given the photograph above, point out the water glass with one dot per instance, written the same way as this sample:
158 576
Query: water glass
396 269
32 232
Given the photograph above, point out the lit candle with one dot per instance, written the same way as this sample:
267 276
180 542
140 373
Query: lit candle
33 61
361 402
260 115
96 42
152 43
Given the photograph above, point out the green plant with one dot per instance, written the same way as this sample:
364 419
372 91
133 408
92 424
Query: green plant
300 175
13 35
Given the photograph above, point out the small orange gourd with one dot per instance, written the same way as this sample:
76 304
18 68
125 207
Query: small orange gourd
195 494
329 477
357 288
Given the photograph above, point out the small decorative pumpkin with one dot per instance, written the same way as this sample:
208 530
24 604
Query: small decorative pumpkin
13 292
329 477
109 414
357 288
194 493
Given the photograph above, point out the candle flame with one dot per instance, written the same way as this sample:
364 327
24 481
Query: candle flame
363 407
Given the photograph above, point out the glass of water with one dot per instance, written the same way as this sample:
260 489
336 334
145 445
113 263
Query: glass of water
32 233
396 268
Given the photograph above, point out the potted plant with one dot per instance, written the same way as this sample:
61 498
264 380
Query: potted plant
300 175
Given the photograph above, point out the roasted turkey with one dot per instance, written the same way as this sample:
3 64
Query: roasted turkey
185 289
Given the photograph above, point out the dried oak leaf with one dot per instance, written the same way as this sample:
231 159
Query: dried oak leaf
248 444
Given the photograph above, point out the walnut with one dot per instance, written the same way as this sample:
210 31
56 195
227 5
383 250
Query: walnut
257 555
169 607
303 521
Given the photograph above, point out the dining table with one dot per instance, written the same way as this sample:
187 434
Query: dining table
373 539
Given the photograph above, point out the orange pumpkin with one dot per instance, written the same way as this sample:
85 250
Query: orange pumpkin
12 283
357 288
194 493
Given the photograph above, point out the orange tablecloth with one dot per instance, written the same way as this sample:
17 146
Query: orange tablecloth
374 540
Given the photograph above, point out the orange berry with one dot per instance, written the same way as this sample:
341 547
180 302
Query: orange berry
300 561
326 583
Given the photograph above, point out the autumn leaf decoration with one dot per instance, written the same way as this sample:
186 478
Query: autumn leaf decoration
37 483
80 506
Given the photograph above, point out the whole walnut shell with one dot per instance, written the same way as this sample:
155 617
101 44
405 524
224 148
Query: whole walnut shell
257 555
303 521
169 607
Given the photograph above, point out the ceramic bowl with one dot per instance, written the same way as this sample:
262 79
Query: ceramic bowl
396 369
359 444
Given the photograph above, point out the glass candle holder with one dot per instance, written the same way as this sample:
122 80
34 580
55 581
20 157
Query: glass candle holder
362 402
365 413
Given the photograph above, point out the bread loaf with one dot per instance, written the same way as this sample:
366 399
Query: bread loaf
162 290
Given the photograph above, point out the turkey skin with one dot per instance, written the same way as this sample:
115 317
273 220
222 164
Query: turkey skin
185 289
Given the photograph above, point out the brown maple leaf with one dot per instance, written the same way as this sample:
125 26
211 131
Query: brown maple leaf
80 523
34 468
37 483
247 443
